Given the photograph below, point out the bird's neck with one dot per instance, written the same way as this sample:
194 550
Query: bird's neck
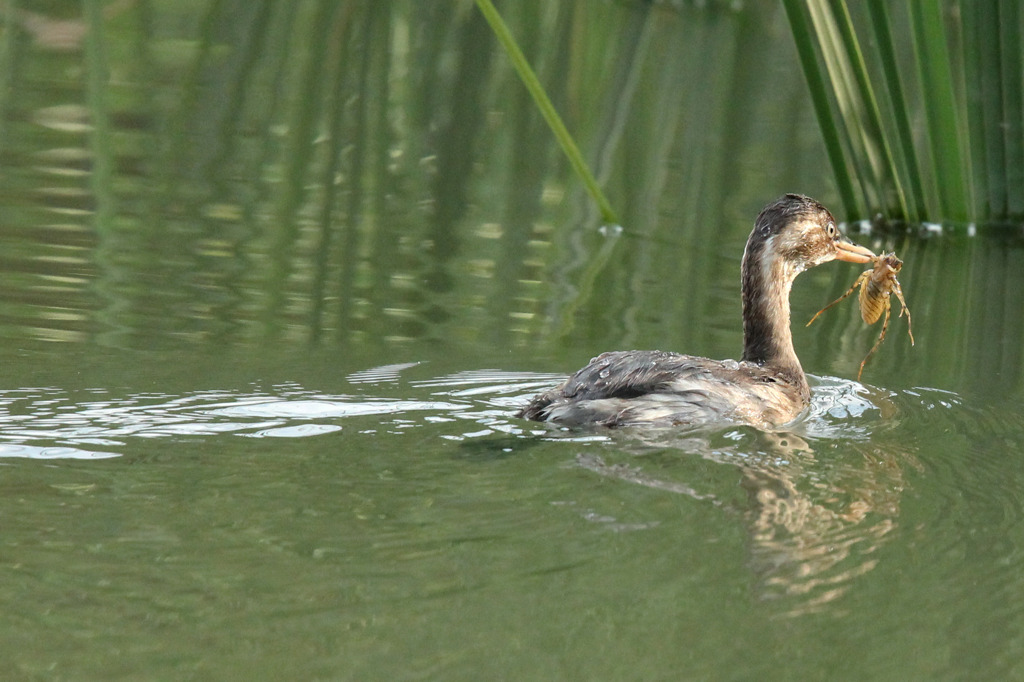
767 339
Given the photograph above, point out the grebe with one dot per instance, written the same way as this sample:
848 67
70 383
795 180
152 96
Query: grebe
765 389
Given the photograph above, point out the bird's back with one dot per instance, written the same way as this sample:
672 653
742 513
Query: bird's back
657 388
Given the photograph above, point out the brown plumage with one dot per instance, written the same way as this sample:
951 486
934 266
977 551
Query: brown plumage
766 388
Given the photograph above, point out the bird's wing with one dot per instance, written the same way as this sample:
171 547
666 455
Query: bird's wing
628 374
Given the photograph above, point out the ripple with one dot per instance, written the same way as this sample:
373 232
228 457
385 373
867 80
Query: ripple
300 431
328 408
33 418
33 452
380 375
507 389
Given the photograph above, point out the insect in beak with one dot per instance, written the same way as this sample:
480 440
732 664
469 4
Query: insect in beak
876 286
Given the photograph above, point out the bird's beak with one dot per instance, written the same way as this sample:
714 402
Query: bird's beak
852 253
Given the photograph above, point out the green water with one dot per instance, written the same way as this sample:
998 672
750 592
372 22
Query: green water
274 278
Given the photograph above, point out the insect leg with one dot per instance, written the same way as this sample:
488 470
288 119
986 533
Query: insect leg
881 337
904 309
860 280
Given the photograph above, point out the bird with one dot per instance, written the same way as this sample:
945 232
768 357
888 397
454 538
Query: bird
766 388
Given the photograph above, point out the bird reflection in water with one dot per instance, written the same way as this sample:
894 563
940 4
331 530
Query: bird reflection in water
814 524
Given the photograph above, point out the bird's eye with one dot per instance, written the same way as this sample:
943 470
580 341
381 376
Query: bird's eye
831 229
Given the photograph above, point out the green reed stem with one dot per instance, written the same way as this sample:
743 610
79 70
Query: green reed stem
879 13
933 62
547 109
984 105
1013 104
804 38
970 35
871 128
